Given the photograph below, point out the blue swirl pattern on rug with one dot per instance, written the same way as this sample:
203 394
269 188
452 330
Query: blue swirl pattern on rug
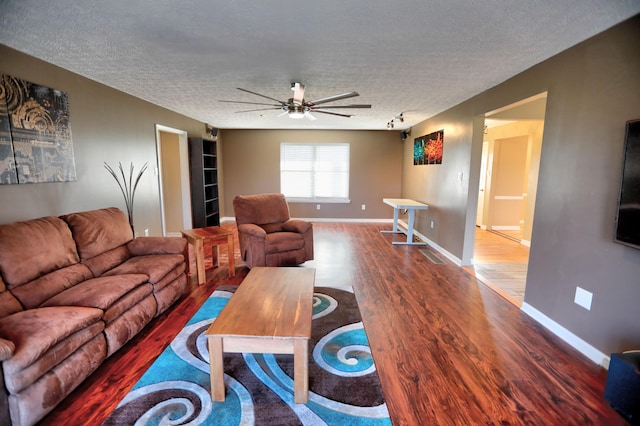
176 388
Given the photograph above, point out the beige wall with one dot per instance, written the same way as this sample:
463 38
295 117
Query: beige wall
107 126
251 161
592 91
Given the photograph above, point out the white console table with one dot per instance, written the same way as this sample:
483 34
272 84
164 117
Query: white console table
411 206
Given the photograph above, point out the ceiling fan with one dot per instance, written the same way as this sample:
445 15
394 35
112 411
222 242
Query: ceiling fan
298 107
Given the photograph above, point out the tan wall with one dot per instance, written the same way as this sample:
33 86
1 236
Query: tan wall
107 126
251 161
592 91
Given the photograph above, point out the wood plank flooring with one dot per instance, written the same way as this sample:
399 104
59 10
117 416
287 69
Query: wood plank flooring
449 350
501 263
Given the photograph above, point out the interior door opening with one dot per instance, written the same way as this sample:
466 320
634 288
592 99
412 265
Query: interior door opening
508 184
173 180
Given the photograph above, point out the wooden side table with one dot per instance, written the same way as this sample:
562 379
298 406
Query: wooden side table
215 236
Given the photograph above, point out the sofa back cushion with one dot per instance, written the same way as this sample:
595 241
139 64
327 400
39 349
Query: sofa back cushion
261 209
34 248
8 303
98 231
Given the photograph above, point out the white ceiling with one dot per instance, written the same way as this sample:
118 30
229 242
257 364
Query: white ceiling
418 57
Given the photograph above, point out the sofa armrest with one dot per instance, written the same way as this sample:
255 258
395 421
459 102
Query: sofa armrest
157 245
6 349
296 225
252 230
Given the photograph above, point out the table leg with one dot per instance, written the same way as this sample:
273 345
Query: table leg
412 219
202 277
395 219
300 371
231 251
216 369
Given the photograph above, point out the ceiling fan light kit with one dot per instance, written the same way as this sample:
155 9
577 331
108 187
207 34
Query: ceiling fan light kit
297 107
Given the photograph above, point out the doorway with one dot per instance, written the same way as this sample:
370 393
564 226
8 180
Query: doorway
508 184
173 180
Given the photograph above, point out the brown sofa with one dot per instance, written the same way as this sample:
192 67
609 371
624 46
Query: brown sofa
266 233
73 290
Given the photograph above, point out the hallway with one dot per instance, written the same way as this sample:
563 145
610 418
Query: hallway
501 264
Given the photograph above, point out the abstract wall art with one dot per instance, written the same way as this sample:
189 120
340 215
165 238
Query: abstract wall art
428 149
35 133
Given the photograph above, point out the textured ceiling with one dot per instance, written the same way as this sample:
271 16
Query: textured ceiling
418 57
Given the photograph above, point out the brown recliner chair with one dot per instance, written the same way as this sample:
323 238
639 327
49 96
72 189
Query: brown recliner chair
267 235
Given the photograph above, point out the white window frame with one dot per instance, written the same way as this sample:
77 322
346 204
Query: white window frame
315 146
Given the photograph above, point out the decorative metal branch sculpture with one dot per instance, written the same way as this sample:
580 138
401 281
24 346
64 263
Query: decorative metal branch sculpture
128 188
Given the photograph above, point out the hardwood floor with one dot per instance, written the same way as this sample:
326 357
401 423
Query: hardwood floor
501 263
448 350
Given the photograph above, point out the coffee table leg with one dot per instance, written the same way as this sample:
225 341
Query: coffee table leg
216 369
300 371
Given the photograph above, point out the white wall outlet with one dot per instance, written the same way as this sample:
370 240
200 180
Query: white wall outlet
146 232
583 298
433 224
364 207
460 176
317 206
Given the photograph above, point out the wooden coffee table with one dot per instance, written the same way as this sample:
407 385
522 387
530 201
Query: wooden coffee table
215 236
269 313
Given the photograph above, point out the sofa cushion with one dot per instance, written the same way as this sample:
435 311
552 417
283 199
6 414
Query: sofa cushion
282 241
157 245
260 209
155 266
97 231
108 260
33 293
45 336
8 303
33 248
113 294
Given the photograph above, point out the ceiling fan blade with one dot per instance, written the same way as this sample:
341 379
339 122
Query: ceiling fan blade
298 93
332 113
251 103
333 98
263 96
345 106
259 109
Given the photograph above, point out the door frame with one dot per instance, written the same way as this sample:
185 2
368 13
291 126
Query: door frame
185 185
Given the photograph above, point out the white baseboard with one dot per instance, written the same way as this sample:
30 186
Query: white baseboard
582 346
440 250
505 227
526 243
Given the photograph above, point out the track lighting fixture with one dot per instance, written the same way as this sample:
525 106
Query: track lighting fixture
399 117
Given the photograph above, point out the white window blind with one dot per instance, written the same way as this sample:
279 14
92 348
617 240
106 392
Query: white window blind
315 171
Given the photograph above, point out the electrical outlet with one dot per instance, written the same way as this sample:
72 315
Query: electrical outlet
317 206
364 207
433 224
146 232
583 298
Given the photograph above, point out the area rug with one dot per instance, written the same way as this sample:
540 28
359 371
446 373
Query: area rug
344 388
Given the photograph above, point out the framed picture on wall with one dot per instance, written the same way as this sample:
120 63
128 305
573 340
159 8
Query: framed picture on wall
35 133
428 149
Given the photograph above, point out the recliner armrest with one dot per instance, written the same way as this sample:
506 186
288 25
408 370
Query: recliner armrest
157 245
7 347
296 225
252 230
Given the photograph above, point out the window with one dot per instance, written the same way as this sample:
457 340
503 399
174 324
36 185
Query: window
315 171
